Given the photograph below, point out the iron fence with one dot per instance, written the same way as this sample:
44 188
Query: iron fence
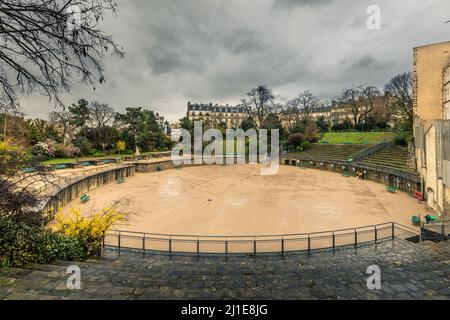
436 230
285 243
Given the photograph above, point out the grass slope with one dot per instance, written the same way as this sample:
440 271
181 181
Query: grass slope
357 137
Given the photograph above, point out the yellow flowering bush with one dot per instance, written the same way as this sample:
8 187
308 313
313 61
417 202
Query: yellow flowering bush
89 229
121 146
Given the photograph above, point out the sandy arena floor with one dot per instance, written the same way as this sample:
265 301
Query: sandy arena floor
236 200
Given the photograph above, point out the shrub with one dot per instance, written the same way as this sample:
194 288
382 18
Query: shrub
84 146
98 154
402 139
311 132
59 150
121 146
306 145
66 151
296 139
89 229
70 237
21 244
40 150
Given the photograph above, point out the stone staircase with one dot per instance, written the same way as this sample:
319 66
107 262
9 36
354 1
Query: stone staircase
408 271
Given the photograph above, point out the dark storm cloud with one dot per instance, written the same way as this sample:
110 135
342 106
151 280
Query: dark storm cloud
290 4
366 61
216 50
242 41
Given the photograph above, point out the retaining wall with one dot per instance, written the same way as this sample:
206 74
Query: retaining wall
68 192
404 181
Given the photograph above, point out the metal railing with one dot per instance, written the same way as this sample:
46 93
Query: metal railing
436 230
358 156
284 243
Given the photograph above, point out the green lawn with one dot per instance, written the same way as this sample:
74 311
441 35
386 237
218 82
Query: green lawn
70 160
357 137
59 161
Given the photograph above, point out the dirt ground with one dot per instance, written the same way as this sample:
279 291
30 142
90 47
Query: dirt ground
236 201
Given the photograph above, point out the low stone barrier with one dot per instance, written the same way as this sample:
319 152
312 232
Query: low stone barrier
408 182
74 189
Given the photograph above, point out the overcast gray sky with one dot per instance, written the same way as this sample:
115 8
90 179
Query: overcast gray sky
216 50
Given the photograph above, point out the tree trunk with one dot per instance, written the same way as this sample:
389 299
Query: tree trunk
4 127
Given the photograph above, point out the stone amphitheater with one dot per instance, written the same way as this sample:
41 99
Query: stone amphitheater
408 270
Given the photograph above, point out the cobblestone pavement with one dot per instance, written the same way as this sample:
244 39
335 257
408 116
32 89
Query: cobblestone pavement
408 271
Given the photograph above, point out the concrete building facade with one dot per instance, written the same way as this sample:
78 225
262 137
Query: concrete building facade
432 123
336 113
446 92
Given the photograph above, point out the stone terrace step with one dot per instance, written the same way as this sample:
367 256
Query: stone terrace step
393 156
408 271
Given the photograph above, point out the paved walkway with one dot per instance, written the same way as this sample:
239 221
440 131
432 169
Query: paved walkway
408 271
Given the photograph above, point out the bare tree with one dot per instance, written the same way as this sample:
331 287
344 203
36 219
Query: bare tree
298 108
351 99
399 96
8 107
260 104
44 43
307 102
290 114
101 116
369 94
61 119
360 101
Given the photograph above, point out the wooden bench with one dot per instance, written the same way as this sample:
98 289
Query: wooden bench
84 198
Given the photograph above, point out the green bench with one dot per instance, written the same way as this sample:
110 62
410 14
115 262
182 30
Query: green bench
84 198
120 180
346 174
391 189
29 170
415 220
60 166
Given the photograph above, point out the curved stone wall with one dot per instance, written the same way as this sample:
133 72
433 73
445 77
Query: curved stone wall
68 192
401 180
